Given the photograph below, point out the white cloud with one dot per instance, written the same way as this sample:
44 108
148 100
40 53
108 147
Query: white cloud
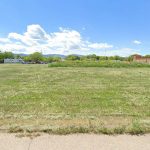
4 40
65 41
137 42
34 36
100 46
118 52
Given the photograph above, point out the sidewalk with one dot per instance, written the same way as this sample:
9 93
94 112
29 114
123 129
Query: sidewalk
75 142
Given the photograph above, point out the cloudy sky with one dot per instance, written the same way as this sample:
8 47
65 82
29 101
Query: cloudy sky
103 27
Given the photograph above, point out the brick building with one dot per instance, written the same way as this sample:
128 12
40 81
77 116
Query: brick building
141 59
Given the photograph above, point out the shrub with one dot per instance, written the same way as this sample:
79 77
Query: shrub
109 64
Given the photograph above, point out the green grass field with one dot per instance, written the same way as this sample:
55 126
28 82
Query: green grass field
38 98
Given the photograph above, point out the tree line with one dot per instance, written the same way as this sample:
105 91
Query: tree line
39 58
32 58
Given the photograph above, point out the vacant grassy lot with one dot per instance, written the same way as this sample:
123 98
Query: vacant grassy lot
69 100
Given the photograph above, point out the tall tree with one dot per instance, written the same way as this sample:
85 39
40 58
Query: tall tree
1 57
9 55
36 57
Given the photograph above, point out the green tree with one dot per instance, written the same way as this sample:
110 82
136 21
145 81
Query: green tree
72 57
1 57
103 58
17 56
147 56
130 58
9 55
84 58
53 59
116 58
93 57
27 58
56 59
36 57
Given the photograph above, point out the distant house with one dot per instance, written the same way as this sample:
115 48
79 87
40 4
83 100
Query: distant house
141 59
13 61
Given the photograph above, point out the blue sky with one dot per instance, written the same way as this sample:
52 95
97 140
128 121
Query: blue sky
104 27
